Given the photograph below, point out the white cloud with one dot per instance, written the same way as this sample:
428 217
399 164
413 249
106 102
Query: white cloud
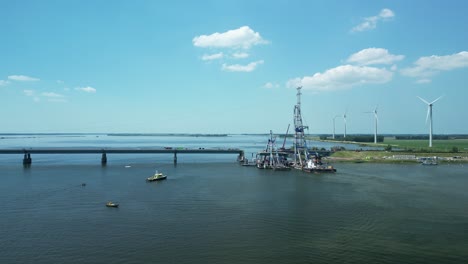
243 37
36 99
342 77
242 68
87 89
52 95
22 78
240 55
29 92
4 83
372 56
386 13
371 22
60 82
212 56
426 67
270 85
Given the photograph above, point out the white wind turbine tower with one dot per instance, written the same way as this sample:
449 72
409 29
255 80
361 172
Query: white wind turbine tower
429 116
334 125
344 119
376 122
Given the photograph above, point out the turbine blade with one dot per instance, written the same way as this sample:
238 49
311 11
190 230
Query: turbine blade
377 106
423 100
437 99
376 117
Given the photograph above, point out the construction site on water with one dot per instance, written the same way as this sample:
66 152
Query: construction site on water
298 157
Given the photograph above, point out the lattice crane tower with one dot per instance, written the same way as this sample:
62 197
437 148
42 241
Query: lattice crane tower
300 145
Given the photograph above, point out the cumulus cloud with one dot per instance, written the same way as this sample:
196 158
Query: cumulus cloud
426 67
22 78
4 83
242 68
215 56
373 56
87 89
270 85
342 77
243 37
371 22
240 55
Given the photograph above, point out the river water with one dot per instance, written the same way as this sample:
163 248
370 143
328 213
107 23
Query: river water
211 210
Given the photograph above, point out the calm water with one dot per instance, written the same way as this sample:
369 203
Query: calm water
211 210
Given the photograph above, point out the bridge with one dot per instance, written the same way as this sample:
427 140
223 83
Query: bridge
27 160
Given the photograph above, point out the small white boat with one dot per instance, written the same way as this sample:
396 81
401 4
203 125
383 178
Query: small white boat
157 177
111 204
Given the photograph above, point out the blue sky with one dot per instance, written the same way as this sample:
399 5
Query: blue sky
232 66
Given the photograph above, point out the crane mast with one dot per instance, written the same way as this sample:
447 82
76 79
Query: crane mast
300 145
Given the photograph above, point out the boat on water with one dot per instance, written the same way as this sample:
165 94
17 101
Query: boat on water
429 161
315 165
111 204
157 177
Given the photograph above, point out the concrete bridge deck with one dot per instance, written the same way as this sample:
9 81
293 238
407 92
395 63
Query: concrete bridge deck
27 160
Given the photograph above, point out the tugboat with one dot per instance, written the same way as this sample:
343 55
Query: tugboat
315 165
157 177
111 204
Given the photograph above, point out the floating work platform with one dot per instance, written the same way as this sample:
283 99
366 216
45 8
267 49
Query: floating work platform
27 160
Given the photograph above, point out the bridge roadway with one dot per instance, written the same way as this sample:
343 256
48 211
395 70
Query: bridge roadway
27 160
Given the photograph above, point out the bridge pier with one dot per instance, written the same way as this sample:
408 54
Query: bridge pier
27 159
104 159
175 157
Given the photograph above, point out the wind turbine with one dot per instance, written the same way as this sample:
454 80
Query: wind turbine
376 122
429 116
334 125
344 119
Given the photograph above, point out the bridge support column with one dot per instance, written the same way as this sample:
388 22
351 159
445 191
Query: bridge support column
175 158
27 159
104 159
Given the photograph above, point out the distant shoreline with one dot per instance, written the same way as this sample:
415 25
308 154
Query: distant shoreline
164 135
34 135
